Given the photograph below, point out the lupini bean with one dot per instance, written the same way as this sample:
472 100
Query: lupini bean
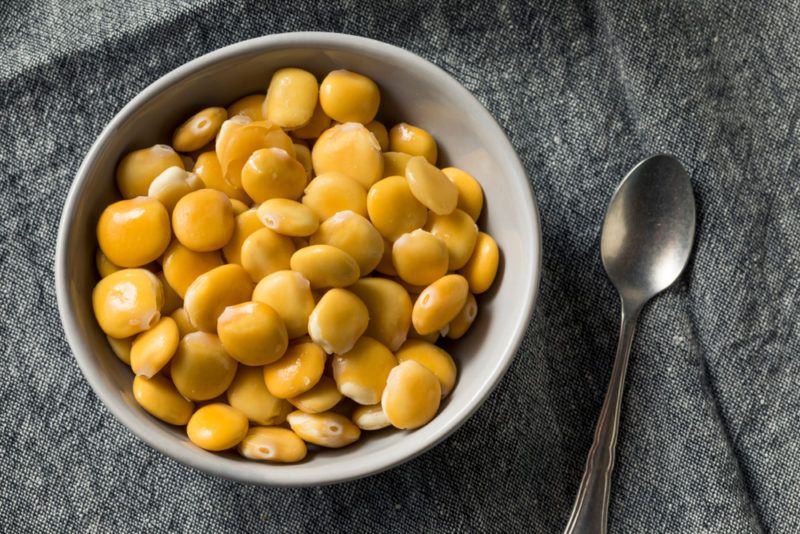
249 394
326 429
132 233
431 186
289 294
127 302
299 370
199 129
139 168
274 444
350 149
291 98
412 395
159 397
338 320
481 268
439 303
349 97
413 140
201 369
217 427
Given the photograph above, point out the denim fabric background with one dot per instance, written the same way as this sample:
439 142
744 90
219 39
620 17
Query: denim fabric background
710 437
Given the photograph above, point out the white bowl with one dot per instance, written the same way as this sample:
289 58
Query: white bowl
412 90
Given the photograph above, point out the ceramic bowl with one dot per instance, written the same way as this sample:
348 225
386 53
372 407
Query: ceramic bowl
412 90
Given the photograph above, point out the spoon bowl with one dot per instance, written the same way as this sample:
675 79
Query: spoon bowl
649 227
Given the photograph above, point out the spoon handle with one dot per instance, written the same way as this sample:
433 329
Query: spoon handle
590 512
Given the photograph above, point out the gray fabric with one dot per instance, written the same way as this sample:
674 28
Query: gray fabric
710 440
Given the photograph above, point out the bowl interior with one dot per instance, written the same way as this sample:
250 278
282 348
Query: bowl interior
412 90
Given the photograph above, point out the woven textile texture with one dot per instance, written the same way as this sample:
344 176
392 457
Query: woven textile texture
710 435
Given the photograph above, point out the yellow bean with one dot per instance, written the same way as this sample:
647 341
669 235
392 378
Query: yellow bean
389 309
325 266
385 266
299 370
459 233
288 217
326 429
207 168
361 372
160 399
139 168
199 129
412 395
289 294
239 139
353 234
333 192
433 358
152 350
217 427
274 444
212 292
265 252
127 302
182 266
200 368
239 207
393 209
319 123
250 106
303 155
203 220
104 265
350 149
273 173
338 320
244 226
121 348
481 269
470 194
133 232
253 333
439 303
430 338
249 394
370 417
230 131
349 97
420 257
291 98
381 135
431 186
459 326
412 140
320 398
172 185
181 319
394 163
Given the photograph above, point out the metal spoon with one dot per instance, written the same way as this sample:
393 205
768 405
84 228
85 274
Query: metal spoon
647 237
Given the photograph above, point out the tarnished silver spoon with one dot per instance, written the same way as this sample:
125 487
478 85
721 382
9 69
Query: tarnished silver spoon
646 240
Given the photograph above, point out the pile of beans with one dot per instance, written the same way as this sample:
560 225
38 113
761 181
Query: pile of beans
291 287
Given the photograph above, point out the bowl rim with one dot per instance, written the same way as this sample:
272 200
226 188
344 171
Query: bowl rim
394 456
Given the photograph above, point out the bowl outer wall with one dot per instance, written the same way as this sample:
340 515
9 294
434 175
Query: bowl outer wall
523 245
